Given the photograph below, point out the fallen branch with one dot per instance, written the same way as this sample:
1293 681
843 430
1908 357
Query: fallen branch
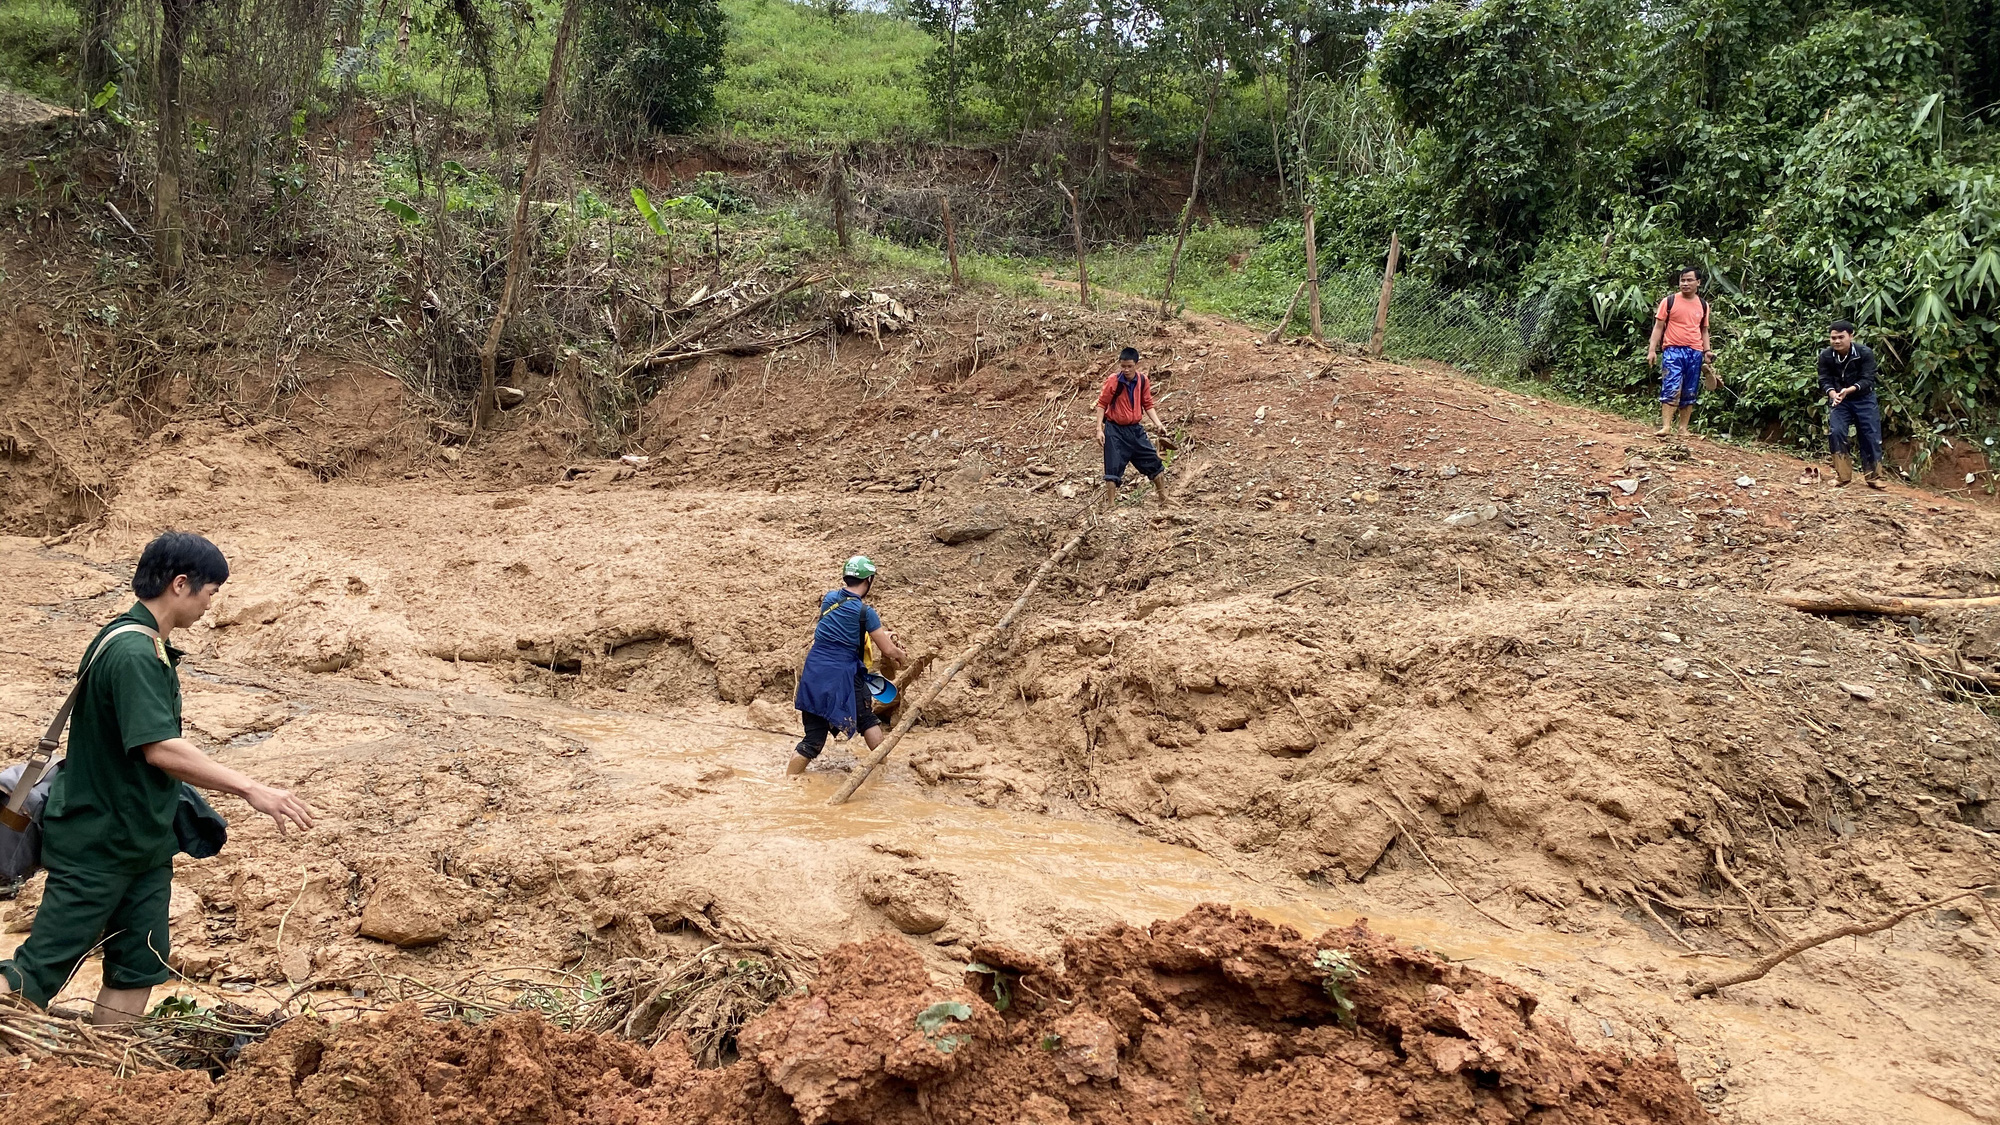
1854 602
1756 908
1852 929
1274 334
665 351
881 753
738 347
1294 588
1411 837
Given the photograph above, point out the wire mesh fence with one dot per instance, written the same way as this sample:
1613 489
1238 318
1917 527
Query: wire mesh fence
1471 329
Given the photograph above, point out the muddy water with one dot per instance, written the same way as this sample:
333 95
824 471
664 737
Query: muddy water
1784 1065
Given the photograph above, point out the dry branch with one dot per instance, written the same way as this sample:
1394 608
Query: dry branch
517 245
916 709
666 352
1411 837
1852 929
1856 602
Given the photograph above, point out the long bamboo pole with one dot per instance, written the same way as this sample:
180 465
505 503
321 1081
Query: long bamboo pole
916 708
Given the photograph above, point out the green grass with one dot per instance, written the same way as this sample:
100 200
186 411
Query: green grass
792 74
1019 277
38 49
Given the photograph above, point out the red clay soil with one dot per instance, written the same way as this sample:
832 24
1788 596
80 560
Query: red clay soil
1216 1017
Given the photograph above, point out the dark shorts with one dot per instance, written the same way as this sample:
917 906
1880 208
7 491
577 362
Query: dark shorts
817 728
1680 376
1129 445
78 907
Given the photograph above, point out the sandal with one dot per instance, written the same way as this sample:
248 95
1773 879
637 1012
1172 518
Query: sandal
1810 476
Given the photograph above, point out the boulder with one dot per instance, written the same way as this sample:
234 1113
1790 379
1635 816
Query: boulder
406 909
978 523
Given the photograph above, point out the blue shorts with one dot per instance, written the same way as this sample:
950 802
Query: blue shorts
1680 376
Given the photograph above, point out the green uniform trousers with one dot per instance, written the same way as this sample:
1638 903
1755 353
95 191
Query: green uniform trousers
129 912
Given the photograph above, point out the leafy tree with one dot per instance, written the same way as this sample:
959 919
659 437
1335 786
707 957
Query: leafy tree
650 64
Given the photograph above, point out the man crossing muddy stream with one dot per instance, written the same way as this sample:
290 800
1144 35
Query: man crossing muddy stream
834 692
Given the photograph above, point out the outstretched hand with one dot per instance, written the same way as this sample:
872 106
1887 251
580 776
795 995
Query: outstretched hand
281 805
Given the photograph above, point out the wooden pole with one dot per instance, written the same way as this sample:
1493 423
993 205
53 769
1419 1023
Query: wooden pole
517 247
839 189
916 709
1875 603
1277 333
1076 228
950 241
1380 337
1312 276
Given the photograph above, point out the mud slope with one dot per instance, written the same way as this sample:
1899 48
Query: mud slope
1214 1017
541 700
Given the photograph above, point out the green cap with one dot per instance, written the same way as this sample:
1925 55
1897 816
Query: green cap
858 567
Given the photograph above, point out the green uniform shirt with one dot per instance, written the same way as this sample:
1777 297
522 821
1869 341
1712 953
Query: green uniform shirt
109 809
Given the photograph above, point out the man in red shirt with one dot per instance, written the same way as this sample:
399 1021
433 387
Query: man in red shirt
1682 322
1125 402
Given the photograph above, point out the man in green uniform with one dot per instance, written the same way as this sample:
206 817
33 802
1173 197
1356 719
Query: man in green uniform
108 837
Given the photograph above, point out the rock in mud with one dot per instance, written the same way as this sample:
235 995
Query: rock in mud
774 717
408 910
983 520
1086 1047
911 904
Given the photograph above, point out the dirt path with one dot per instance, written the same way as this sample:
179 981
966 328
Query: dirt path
542 704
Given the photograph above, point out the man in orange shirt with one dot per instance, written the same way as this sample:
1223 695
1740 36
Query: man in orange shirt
1123 404
1682 322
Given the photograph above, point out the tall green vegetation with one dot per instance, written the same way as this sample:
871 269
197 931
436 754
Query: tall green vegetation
1818 162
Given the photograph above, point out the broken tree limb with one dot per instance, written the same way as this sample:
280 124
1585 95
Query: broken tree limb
1852 602
1275 334
916 708
1435 870
739 347
666 350
1852 929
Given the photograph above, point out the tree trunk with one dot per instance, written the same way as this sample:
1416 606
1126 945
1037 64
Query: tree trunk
1101 165
101 22
517 246
1194 189
1271 112
169 218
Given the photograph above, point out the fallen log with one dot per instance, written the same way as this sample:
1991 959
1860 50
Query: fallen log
916 708
1852 929
1876 603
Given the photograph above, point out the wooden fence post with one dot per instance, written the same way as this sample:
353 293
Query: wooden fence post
1312 276
1376 341
1076 228
950 240
839 189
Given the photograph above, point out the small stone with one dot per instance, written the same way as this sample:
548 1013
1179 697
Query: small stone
1446 472
1859 691
1462 519
1488 512
1066 491
1627 486
510 397
1745 482
1813 662
1669 638
1675 667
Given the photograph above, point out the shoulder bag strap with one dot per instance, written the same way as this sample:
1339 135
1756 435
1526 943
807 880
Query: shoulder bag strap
38 762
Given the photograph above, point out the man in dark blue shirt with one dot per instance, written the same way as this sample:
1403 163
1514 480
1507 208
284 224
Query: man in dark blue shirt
1847 376
833 688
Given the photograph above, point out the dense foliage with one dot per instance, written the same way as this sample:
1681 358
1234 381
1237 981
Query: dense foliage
650 64
1818 163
